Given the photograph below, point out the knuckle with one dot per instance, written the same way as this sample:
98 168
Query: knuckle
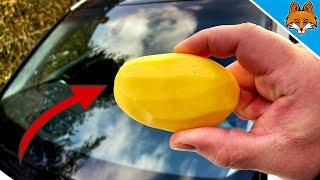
222 159
248 25
237 157
217 157
253 31
211 39
206 31
227 155
250 28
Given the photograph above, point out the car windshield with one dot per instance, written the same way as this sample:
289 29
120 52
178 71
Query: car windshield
88 47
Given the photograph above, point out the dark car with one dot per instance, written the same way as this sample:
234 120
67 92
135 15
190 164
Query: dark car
88 46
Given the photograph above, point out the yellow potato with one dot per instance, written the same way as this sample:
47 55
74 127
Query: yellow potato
175 91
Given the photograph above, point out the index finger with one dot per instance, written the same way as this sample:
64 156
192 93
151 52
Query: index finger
258 50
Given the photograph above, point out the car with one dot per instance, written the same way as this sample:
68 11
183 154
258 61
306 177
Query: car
87 47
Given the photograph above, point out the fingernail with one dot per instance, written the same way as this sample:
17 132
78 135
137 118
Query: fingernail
183 147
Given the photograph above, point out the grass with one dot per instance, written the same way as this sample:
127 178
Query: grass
22 24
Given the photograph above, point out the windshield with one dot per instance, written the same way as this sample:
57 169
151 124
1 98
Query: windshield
89 47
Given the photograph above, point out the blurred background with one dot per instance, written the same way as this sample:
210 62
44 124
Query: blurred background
22 24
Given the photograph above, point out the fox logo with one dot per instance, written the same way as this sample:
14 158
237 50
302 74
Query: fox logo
303 19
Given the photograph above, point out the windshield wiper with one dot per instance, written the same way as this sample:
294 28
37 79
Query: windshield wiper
60 71
57 74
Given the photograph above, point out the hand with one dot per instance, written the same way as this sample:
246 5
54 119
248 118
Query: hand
280 91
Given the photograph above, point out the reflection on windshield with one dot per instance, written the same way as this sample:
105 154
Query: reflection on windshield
130 143
155 30
88 48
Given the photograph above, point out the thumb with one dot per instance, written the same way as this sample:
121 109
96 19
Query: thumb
233 148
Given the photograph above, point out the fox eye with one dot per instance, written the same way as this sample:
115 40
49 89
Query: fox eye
305 21
297 21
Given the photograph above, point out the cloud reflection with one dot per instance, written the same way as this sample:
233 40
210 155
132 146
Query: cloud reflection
131 144
124 144
147 31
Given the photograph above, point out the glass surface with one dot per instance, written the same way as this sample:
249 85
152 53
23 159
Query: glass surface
89 47
126 2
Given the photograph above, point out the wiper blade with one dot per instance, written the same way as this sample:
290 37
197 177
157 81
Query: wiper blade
77 4
57 73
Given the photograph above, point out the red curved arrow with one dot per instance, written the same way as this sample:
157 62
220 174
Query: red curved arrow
83 95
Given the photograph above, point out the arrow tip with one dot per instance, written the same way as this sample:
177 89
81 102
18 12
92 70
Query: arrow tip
86 94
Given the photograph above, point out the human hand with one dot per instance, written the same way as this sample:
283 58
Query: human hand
279 91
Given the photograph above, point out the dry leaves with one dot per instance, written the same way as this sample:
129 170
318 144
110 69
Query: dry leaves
22 24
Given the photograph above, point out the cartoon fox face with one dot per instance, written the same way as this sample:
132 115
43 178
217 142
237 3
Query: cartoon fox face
301 20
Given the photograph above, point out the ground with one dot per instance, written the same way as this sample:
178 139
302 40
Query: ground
22 24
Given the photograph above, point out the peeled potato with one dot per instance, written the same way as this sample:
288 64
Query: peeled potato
175 91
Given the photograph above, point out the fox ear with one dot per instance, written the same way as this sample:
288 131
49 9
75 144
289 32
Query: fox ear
294 7
308 7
